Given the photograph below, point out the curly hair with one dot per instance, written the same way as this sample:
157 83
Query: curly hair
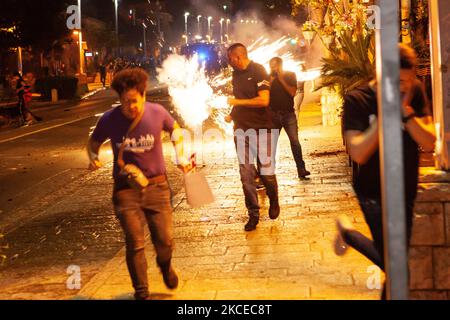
134 78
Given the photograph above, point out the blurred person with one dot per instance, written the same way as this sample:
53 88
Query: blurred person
361 129
23 90
283 88
102 69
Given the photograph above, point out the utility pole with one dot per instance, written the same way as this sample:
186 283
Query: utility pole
186 15
116 5
80 40
198 25
19 60
391 157
145 41
221 29
209 28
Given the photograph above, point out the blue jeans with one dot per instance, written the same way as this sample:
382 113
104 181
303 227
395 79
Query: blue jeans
136 211
288 122
255 146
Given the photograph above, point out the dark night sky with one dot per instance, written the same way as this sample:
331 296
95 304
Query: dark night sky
104 9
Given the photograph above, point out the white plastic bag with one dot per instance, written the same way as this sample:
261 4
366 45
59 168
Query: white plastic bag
197 189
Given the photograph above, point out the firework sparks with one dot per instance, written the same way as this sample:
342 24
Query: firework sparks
197 97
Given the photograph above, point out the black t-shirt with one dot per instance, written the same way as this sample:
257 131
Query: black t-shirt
280 100
360 105
246 85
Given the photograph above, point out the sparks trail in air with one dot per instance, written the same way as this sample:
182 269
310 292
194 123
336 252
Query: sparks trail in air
197 96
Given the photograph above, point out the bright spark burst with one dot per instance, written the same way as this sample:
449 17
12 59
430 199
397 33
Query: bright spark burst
197 97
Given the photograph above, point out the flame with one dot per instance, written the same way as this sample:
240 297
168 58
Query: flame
197 97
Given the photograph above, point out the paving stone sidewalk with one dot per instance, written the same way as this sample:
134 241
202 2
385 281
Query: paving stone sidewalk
289 258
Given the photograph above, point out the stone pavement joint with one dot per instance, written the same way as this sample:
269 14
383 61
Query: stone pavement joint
289 258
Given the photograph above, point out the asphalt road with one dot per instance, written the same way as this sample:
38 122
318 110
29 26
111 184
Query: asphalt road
46 223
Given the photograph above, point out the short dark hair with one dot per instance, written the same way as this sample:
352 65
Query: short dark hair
133 78
235 46
277 60
408 57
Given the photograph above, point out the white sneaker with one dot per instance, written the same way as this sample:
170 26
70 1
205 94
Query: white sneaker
343 224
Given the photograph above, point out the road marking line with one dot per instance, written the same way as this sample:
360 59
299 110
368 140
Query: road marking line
45 129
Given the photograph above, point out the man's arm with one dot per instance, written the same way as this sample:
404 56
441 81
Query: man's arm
420 129
177 141
362 145
292 90
261 101
93 149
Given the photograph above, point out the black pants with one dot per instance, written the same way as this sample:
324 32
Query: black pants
374 249
103 78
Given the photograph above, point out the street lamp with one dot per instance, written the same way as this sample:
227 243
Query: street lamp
221 29
116 6
145 41
198 24
80 39
186 15
209 28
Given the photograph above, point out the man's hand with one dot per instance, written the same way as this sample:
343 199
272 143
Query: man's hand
184 165
228 119
95 164
407 110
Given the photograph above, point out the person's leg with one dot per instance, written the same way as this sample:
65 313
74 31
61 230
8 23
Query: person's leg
266 160
158 211
245 148
20 107
298 99
132 219
372 249
290 124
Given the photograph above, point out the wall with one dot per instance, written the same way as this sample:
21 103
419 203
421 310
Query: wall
429 256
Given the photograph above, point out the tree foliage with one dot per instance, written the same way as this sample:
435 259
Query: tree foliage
37 23
352 50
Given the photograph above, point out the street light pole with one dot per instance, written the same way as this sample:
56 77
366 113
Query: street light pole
228 29
209 28
145 41
116 5
80 39
221 29
19 60
186 15
198 24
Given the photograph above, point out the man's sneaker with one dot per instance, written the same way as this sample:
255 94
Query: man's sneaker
343 224
303 173
260 186
251 224
169 276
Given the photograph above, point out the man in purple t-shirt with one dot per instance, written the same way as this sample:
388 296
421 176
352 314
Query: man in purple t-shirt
143 148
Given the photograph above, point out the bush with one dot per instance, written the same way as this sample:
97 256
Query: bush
66 86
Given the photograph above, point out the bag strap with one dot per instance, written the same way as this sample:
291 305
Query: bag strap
133 125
